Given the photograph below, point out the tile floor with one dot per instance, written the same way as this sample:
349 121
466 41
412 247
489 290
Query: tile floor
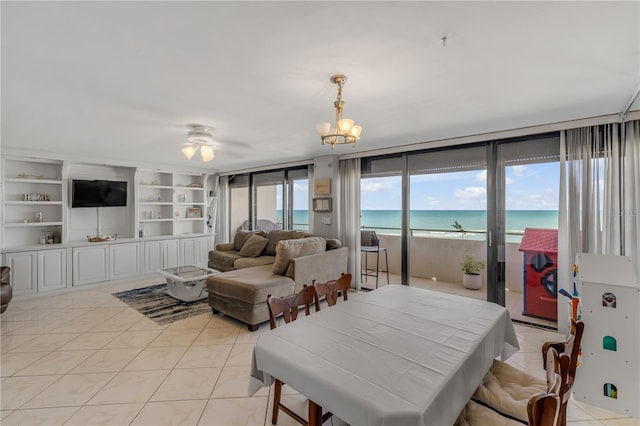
82 357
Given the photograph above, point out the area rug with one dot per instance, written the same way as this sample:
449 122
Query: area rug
156 304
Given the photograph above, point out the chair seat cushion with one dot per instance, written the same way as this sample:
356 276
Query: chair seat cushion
474 414
508 389
251 285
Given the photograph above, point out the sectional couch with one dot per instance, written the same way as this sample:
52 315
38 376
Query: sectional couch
257 264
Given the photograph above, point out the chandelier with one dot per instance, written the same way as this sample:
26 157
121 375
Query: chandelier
344 131
199 138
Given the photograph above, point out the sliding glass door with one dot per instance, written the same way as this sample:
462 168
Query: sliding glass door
527 191
277 199
448 220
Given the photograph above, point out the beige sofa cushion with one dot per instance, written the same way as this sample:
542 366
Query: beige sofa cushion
226 258
291 249
251 285
241 237
248 262
278 235
253 246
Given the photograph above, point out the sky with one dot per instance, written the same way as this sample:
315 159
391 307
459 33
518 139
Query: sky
528 187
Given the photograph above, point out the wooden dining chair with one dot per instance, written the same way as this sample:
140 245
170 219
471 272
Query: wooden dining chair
508 389
541 409
331 290
289 307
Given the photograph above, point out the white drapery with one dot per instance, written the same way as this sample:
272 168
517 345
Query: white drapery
589 216
349 208
631 193
222 219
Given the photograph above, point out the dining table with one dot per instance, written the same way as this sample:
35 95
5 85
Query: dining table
399 355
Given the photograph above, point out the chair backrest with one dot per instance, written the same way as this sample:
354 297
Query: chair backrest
289 305
331 289
571 347
543 409
369 239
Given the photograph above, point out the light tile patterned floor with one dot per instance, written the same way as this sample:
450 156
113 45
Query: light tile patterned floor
82 357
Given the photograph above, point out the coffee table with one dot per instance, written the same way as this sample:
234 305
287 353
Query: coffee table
187 283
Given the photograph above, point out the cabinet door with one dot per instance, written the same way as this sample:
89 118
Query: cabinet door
124 260
189 251
90 264
24 272
171 253
153 256
52 269
204 245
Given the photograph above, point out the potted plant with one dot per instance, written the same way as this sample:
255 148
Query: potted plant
471 268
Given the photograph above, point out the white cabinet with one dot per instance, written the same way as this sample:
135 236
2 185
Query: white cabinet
90 264
52 269
37 271
24 272
189 251
124 260
171 253
153 256
195 251
204 245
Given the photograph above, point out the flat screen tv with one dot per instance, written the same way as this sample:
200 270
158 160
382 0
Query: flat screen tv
98 193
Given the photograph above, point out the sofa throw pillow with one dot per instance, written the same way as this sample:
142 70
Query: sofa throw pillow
241 237
291 249
278 235
254 246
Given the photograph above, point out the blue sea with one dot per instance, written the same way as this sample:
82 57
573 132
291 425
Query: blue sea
439 222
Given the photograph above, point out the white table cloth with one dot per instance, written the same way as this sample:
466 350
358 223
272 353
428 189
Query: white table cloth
395 356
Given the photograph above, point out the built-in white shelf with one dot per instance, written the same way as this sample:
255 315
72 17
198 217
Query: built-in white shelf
189 204
21 224
190 218
156 186
32 203
156 203
155 220
47 181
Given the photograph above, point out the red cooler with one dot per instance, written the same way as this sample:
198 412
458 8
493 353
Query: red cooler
540 247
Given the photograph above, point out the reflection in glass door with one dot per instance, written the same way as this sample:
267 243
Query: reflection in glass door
527 184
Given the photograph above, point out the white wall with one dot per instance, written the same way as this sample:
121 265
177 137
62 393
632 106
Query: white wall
325 224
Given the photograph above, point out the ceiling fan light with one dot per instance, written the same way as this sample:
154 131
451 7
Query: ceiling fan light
188 151
207 153
345 125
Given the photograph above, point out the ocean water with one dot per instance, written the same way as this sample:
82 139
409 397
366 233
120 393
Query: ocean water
439 222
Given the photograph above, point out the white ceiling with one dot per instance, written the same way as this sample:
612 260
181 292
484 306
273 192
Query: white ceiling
120 81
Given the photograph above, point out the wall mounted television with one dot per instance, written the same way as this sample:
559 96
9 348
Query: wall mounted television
98 193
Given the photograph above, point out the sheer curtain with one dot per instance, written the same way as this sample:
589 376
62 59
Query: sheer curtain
631 193
589 216
222 216
349 208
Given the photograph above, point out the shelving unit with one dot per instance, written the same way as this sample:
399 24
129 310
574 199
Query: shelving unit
35 178
189 198
165 200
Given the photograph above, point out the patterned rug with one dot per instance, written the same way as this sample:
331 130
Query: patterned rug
157 305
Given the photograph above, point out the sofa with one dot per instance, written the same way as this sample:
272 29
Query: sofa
6 292
299 258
